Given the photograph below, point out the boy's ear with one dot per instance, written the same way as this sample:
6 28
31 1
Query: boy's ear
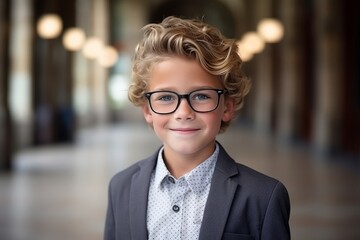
229 110
147 113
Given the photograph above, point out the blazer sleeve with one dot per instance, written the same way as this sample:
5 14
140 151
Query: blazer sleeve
109 231
276 220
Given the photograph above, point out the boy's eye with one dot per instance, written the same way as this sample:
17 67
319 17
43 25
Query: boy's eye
166 98
201 96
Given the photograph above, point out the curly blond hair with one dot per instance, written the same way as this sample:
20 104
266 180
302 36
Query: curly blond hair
191 39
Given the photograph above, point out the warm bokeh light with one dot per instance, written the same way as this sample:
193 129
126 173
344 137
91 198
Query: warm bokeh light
252 43
271 30
49 26
108 56
92 47
243 53
74 39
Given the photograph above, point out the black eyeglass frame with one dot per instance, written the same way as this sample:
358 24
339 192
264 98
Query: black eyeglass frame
187 97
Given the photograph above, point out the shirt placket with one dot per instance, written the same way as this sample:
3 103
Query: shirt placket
178 190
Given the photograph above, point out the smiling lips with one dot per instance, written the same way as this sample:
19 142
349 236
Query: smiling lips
185 130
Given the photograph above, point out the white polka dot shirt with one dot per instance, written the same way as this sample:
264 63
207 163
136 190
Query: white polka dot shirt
176 206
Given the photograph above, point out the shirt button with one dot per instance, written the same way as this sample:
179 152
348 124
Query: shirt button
175 208
171 179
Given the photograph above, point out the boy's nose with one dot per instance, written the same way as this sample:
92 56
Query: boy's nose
184 110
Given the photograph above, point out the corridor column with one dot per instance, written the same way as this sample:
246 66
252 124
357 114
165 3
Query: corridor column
264 71
329 89
288 115
20 69
127 18
5 120
90 79
99 73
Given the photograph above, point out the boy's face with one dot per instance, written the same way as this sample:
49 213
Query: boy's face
186 132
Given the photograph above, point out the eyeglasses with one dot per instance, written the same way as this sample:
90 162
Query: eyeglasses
201 101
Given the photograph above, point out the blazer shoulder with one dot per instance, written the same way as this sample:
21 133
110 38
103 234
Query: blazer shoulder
254 185
127 172
256 179
257 185
125 176
251 173
241 173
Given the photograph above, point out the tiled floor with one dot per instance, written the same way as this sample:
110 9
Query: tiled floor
59 192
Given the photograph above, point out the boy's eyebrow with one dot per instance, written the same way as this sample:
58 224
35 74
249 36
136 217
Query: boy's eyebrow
192 89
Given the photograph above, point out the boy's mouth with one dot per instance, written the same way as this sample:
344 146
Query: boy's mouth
185 130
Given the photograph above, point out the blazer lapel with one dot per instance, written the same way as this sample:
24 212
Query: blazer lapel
139 198
220 198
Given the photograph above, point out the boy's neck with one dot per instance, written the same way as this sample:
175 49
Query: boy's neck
180 164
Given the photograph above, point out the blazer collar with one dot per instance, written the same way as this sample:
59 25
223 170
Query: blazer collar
221 193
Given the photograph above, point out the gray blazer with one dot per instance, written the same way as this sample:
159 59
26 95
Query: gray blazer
242 203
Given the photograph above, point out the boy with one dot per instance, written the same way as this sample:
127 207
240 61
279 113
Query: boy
187 79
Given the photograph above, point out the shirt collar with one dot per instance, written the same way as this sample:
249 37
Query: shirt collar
161 171
197 179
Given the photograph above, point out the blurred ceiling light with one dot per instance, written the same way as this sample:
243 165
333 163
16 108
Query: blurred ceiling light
49 26
271 30
252 43
118 85
74 39
243 53
92 47
108 56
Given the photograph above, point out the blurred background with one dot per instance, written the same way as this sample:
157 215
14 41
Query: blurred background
66 125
